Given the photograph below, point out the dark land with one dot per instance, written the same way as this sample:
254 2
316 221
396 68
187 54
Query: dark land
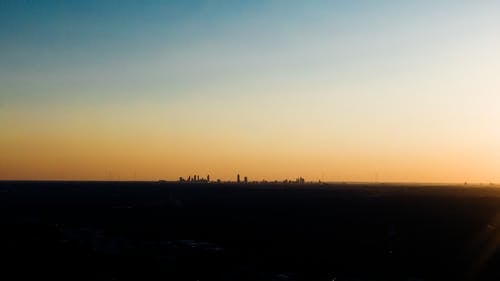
228 231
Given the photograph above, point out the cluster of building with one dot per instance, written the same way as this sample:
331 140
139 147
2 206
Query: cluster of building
239 179
195 178
297 180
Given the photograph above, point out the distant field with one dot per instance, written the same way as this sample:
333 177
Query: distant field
226 231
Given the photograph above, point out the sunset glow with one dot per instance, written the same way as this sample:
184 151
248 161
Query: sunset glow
132 90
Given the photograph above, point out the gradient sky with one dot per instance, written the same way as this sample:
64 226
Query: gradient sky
330 90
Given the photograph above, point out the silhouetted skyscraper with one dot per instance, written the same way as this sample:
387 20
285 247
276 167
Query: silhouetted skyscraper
238 178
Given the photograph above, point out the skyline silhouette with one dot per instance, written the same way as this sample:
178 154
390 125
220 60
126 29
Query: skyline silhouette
257 140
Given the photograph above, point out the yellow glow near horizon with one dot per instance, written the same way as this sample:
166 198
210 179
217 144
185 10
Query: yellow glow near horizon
134 142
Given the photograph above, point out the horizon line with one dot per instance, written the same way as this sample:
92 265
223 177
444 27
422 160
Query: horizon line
465 183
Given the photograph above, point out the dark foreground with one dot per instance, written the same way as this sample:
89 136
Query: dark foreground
171 231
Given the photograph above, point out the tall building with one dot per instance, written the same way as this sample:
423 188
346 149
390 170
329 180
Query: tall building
245 179
238 178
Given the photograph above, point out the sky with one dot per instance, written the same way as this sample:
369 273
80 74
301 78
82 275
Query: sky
396 91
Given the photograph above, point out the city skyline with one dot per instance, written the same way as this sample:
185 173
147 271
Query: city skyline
326 90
